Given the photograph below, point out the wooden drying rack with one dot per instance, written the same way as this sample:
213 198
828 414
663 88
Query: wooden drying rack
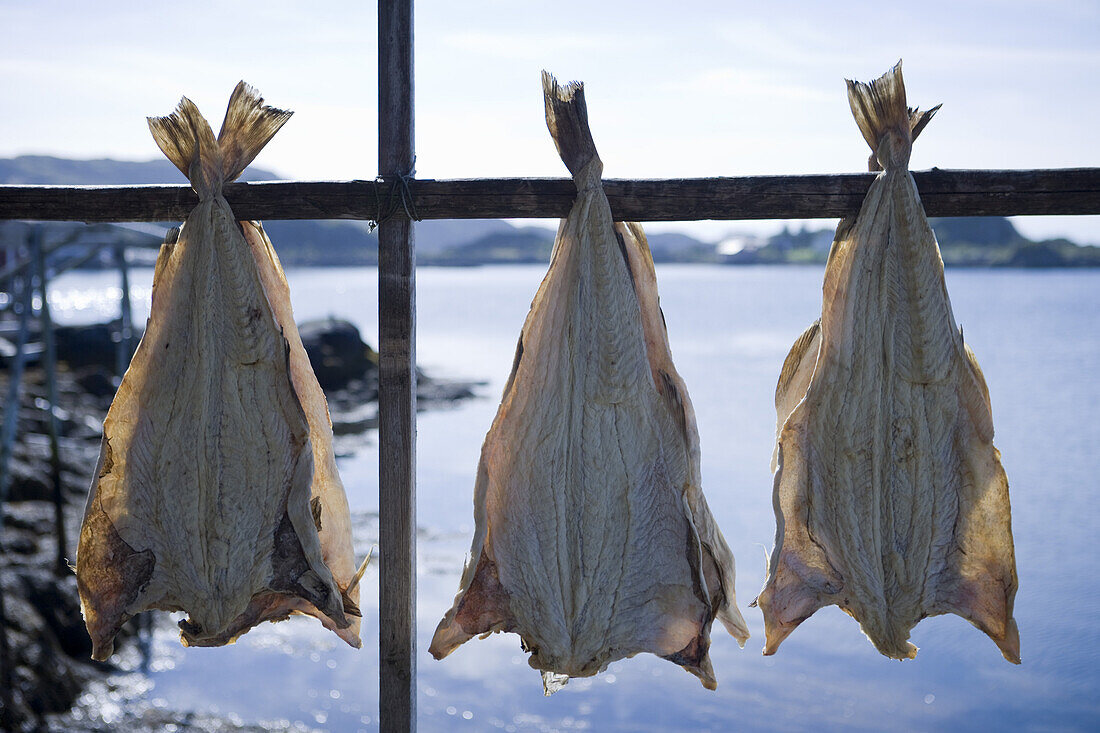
394 198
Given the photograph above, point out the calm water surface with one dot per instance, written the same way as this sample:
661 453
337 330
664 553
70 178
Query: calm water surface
1035 334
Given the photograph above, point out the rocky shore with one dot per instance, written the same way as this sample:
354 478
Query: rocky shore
49 647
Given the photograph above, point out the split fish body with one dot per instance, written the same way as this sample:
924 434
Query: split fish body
202 497
593 540
890 497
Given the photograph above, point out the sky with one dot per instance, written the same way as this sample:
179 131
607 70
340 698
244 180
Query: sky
679 89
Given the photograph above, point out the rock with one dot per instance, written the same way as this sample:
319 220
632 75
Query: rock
337 353
52 649
92 345
59 606
45 679
432 390
29 482
30 468
97 382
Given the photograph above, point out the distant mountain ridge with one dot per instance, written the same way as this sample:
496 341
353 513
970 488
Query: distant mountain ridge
46 169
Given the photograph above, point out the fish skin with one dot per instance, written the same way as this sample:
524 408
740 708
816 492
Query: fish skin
890 498
201 497
591 537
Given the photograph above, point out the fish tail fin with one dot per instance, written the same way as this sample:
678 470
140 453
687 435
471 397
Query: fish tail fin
919 119
248 126
887 123
186 139
567 120
879 106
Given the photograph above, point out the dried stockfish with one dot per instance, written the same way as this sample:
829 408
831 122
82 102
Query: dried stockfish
593 540
202 497
890 497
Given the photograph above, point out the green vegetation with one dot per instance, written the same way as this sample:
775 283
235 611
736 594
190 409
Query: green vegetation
977 241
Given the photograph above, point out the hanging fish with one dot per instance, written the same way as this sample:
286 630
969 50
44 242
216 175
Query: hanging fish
593 540
890 497
216 493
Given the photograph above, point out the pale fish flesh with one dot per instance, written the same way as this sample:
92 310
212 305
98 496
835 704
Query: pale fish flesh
201 500
890 498
593 540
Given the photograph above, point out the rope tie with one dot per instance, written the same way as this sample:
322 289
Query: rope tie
398 198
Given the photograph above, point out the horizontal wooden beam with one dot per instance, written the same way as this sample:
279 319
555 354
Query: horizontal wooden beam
944 193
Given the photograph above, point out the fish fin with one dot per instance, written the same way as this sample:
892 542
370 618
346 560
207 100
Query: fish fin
879 106
668 389
186 139
515 366
985 600
794 359
248 126
786 601
567 120
800 577
695 659
111 578
789 392
481 609
351 607
918 120
362 569
164 255
642 241
976 397
888 125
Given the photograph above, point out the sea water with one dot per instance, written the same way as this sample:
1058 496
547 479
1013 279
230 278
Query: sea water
1036 336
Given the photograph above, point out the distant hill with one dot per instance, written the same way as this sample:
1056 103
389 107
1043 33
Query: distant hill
972 241
45 169
437 235
979 231
676 247
513 245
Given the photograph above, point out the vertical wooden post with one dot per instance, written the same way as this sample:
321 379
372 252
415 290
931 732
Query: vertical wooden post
397 378
50 368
